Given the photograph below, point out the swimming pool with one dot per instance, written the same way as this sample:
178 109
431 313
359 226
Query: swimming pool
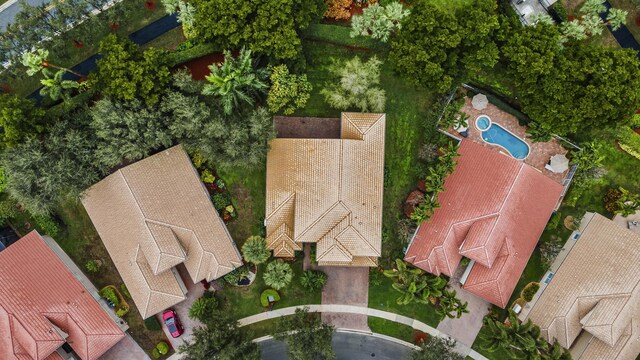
495 134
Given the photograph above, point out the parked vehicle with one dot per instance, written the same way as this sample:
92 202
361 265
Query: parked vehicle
173 324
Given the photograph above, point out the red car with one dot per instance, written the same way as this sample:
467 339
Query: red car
173 324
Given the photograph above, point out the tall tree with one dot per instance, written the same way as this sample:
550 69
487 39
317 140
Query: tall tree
268 27
307 337
438 48
236 82
278 274
126 73
220 338
437 348
356 85
255 250
19 118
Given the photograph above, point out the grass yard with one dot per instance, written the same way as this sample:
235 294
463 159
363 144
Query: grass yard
168 41
243 302
392 328
79 239
383 297
248 187
451 4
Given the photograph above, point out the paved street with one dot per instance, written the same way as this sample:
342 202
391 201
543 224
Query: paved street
348 346
9 10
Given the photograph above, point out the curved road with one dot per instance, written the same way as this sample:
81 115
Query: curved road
348 346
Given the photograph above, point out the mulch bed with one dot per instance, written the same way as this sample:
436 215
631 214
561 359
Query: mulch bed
200 67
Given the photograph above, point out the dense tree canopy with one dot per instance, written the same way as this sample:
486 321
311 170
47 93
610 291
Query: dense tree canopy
126 73
438 48
18 118
575 87
307 337
220 338
267 27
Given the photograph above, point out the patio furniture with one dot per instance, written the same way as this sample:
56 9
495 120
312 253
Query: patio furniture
479 102
558 164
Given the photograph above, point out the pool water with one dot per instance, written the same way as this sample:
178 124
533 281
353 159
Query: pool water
483 122
495 134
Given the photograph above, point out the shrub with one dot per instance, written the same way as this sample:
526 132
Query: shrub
549 250
125 291
338 9
356 86
221 200
202 308
236 275
278 274
629 141
152 324
8 210
92 266
122 311
554 221
185 54
264 297
529 291
155 353
47 224
560 11
313 280
378 21
611 200
110 294
207 176
255 250
288 92
163 348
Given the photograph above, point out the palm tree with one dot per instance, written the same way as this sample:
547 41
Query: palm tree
517 339
556 352
402 273
255 250
278 274
55 87
595 7
38 60
413 284
574 29
450 306
434 181
236 81
616 18
541 18
424 211
592 24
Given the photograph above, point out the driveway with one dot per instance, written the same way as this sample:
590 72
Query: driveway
346 286
194 291
348 346
465 329
126 348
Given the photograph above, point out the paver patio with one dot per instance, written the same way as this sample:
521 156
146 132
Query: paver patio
540 152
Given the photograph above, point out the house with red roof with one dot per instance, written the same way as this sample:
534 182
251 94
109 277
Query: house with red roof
493 211
45 311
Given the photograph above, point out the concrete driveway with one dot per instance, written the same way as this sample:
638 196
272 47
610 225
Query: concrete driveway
194 291
346 286
465 329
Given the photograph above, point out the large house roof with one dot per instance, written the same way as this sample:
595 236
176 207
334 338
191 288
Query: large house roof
153 215
41 302
329 192
493 211
596 289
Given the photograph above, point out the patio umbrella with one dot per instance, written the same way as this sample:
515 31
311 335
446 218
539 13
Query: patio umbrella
559 163
479 102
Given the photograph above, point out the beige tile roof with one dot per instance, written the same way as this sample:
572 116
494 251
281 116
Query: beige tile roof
153 215
329 192
596 289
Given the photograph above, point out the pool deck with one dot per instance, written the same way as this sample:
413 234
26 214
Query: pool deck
539 153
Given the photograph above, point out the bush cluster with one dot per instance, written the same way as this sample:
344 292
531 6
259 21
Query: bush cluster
529 291
313 280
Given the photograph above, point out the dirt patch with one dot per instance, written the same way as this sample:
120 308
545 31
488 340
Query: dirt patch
200 67
307 127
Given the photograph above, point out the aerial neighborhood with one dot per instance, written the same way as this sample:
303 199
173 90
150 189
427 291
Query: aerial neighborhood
320 179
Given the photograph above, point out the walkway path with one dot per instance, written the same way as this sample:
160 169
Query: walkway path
361 310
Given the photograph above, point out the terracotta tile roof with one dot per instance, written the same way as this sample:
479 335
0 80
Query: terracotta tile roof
39 297
153 215
329 192
597 290
493 211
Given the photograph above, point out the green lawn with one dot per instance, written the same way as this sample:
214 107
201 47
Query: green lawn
392 328
384 297
243 302
248 187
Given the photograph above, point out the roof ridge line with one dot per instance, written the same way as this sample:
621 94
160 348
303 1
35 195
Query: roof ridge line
339 202
281 205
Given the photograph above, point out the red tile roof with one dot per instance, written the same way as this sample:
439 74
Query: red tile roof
493 210
38 292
